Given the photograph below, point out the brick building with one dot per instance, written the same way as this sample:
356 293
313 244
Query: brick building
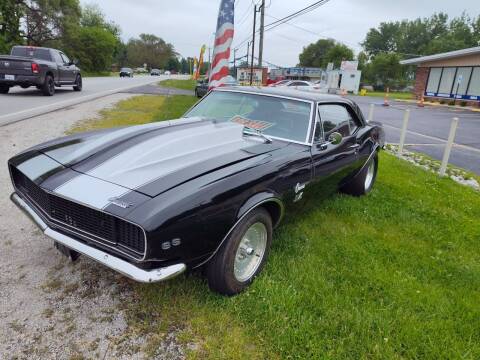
451 75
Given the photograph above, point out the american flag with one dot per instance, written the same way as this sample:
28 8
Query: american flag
223 42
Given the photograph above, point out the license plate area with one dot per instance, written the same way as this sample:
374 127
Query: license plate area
9 77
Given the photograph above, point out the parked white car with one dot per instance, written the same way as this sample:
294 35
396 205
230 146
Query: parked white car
293 83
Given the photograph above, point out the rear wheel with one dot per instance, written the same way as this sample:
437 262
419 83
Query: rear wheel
48 87
242 256
78 83
363 183
4 89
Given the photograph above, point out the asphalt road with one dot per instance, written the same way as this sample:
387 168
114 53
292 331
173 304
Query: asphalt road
428 129
20 104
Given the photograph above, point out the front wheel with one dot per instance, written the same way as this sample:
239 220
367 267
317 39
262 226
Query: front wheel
242 256
48 87
363 182
4 89
78 83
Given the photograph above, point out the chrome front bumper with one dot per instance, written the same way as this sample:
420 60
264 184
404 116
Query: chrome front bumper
115 263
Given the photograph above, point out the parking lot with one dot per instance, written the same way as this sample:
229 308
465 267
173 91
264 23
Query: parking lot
428 129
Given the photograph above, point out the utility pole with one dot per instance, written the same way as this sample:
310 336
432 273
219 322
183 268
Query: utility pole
253 43
262 31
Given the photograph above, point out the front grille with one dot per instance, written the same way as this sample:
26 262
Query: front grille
105 228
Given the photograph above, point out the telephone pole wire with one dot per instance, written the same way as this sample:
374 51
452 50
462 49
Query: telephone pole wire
262 32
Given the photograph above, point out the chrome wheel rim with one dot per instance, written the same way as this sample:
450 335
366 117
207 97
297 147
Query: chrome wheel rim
370 174
250 252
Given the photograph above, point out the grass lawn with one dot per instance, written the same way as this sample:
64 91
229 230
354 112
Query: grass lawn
98 74
393 95
179 84
393 275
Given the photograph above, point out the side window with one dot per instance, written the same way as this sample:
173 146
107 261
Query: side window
57 58
65 58
335 118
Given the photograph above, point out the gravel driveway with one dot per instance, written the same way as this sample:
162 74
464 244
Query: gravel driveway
51 308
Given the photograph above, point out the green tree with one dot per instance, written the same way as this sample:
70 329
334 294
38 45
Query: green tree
94 47
385 70
322 52
10 15
173 64
426 36
49 20
151 50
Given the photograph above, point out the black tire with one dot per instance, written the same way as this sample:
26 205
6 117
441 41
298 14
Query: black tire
4 89
358 185
196 93
24 86
220 269
48 87
78 83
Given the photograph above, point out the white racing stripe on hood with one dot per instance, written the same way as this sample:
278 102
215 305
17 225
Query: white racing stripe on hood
37 166
168 153
71 152
90 191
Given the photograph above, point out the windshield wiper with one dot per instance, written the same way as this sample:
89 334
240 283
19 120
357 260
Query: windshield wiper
250 131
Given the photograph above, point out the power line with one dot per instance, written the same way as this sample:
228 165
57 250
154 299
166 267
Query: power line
303 11
244 17
283 20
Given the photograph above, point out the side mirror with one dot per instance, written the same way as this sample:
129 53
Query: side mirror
74 62
335 138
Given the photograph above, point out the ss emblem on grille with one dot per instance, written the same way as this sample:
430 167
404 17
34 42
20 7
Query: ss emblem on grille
7 64
69 220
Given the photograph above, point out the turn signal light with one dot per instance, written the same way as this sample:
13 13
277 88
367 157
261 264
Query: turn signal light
35 68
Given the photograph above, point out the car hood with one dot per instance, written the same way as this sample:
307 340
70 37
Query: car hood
154 158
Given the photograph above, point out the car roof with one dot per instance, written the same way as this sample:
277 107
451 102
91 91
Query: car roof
287 92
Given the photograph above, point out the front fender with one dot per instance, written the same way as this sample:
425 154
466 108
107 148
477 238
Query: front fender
269 198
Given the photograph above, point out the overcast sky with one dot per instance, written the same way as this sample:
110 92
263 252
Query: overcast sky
188 24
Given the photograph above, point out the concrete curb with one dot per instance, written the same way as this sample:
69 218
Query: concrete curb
429 103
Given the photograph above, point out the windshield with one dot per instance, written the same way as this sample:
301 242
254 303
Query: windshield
125 69
273 116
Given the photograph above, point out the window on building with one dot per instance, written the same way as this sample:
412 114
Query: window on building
434 80
474 88
446 83
463 74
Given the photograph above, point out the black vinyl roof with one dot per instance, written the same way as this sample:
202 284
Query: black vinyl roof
287 92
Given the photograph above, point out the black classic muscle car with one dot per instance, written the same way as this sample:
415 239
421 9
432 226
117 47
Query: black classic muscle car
152 201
